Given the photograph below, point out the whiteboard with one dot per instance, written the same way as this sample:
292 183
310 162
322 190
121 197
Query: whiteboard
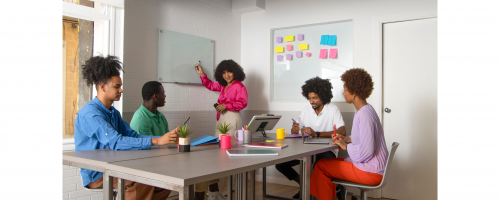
288 76
178 54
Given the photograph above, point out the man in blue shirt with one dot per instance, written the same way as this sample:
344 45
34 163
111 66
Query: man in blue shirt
99 125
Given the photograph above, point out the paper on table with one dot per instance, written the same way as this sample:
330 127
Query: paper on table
300 36
333 53
280 57
303 46
324 39
298 54
288 56
279 39
289 38
323 53
289 47
278 49
332 40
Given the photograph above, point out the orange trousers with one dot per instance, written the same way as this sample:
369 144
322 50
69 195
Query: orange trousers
328 168
135 191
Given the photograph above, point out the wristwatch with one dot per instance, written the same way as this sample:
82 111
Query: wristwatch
317 134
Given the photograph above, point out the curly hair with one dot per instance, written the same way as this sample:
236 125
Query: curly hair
98 69
358 82
229 66
322 87
149 89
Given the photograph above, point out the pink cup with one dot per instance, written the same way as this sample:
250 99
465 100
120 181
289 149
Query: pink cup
239 136
225 142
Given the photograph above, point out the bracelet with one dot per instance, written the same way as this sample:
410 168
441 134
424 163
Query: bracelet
317 134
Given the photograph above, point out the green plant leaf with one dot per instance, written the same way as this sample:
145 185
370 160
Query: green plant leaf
184 131
223 128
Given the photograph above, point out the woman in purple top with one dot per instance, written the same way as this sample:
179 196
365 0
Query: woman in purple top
366 145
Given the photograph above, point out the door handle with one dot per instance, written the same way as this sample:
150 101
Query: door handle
387 110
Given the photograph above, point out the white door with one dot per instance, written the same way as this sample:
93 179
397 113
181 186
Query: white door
410 92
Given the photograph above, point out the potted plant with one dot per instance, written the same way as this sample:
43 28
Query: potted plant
223 129
184 140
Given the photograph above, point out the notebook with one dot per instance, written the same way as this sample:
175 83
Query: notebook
310 140
295 136
204 140
259 152
266 145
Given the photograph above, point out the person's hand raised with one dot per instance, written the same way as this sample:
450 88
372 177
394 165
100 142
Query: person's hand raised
200 70
295 128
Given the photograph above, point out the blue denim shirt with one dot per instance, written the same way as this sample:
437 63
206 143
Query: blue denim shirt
97 127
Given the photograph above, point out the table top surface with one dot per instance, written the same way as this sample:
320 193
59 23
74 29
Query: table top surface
187 168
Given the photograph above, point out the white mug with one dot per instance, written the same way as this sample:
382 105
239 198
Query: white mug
239 136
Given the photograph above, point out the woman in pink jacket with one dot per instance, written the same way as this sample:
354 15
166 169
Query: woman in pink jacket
233 94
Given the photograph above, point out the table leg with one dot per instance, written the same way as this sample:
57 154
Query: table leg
306 173
121 189
107 182
184 193
263 183
230 188
191 192
252 185
244 186
237 193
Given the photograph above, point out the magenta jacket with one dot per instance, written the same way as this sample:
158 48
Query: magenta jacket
235 97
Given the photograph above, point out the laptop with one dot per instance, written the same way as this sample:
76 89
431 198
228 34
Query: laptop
310 140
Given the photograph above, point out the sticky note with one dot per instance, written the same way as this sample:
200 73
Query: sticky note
300 36
289 38
278 49
280 57
322 53
289 47
303 46
333 53
288 56
308 54
324 39
332 40
279 39
298 54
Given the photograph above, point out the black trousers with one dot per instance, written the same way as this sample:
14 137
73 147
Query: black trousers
287 170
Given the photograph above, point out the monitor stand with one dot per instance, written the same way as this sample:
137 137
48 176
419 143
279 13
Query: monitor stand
264 135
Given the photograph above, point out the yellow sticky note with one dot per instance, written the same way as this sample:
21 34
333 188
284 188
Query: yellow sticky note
279 49
289 38
303 46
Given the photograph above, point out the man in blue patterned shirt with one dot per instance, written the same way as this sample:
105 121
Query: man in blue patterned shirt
99 125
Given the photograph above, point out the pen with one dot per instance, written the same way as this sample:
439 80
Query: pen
334 132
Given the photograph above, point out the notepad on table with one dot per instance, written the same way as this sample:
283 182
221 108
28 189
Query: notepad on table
266 145
259 152
204 140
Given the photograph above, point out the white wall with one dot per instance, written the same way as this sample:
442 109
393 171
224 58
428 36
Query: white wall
255 40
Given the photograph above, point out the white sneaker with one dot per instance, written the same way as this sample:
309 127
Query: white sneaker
215 196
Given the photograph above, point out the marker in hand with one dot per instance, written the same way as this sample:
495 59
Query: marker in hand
334 132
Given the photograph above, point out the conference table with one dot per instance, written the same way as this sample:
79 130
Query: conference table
166 167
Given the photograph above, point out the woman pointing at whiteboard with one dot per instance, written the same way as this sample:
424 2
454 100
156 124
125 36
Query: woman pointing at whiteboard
233 94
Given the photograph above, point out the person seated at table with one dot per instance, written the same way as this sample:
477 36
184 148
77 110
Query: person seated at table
319 119
99 125
147 120
366 145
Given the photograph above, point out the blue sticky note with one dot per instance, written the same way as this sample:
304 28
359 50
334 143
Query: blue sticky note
332 40
324 39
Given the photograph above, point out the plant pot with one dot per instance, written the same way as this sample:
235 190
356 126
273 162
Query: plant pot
185 144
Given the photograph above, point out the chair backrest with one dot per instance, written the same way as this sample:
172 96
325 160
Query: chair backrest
388 164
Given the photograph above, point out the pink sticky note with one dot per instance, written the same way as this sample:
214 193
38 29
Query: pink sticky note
298 54
308 54
322 53
279 39
333 53
300 36
288 56
280 58
289 47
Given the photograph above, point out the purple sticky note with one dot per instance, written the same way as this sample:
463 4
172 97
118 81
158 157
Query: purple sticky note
333 53
300 36
289 47
308 54
298 54
280 58
322 53
279 39
288 56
